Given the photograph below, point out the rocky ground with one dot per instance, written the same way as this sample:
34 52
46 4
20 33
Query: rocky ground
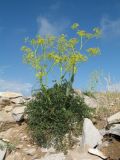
100 137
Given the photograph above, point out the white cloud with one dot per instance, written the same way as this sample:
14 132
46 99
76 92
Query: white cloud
46 26
24 88
110 28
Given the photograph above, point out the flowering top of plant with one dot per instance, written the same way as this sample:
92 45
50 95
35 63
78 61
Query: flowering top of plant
93 51
45 52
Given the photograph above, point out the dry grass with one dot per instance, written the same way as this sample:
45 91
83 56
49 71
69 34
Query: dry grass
109 104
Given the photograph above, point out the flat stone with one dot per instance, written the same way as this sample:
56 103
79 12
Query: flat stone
90 135
115 118
96 152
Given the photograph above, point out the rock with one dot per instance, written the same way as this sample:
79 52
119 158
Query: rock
58 156
29 151
90 136
8 108
114 118
4 101
48 150
16 156
6 117
10 94
115 129
78 92
91 102
18 113
103 132
3 150
96 152
18 100
80 155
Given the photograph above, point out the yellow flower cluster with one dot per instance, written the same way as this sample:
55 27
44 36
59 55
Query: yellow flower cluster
81 33
72 42
93 51
26 49
75 26
57 58
36 63
40 41
77 58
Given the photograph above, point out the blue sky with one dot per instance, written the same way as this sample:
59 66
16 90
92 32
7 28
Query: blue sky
22 18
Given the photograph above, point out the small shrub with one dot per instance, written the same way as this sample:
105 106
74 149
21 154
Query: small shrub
53 115
9 146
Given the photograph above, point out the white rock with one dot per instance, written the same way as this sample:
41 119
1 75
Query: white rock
91 102
10 94
90 136
114 118
97 153
58 156
115 129
2 150
18 113
18 100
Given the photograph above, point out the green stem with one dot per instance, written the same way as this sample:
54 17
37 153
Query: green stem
61 70
81 43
